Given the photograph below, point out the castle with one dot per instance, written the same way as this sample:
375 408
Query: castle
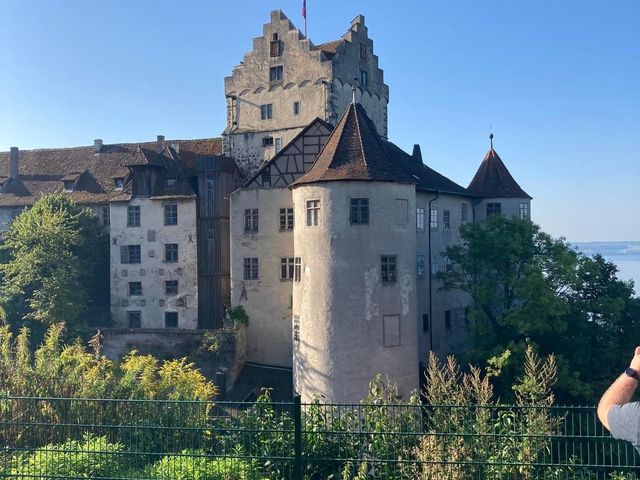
304 213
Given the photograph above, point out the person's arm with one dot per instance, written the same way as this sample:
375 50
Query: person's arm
620 392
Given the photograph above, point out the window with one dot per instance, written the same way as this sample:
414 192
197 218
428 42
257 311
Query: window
425 322
170 182
464 212
420 218
420 266
274 47
171 319
494 209
266 111
171 252
278 144
359 213
251 268
402 211
266 176
296 108
363 51
267 141
434 264
251 220
313 212
171 214
135 289
391 330
524 211
296 328
171 287
388 267
447 320
286 219
118 183
433 219
446 219
275 73
364 78
297 274
106 212
133 216
130 254
134 319
286 268
68 185
448 264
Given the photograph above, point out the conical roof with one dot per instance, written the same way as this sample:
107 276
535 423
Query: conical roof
354 152
493 180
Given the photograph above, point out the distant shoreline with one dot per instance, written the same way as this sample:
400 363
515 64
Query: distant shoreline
625 254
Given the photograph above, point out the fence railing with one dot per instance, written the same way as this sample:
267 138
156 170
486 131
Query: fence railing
63 438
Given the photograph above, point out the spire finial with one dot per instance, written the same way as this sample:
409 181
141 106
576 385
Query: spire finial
491 136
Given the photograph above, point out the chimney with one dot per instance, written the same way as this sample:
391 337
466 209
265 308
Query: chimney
13 163
97 145
160 144
359 20
417 154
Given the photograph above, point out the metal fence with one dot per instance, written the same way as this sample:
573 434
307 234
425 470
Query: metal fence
62 438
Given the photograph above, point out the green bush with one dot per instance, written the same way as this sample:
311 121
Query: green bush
90 457
197 465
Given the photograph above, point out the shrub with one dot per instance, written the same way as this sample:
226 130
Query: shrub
197 465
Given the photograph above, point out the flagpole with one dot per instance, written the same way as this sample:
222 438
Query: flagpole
304 14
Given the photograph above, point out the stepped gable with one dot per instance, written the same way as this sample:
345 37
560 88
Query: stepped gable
493 180
354 152
44 171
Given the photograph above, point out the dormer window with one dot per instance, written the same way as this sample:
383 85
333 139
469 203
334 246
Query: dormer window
118 183
170 182
68 185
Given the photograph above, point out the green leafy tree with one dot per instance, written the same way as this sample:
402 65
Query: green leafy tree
56 264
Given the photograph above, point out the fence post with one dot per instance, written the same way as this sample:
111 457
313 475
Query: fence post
297 438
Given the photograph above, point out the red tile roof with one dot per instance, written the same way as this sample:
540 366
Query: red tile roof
329 48
493 180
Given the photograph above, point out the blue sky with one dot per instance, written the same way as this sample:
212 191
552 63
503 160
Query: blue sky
559 81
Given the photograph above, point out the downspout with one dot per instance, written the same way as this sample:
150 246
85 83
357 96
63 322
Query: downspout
430 266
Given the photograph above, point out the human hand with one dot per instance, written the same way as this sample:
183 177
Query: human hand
635 361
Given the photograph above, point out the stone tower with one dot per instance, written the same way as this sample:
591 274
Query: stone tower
286 81
355 308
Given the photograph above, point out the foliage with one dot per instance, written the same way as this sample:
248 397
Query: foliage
198 465
57 265
90 457
527 287
237 316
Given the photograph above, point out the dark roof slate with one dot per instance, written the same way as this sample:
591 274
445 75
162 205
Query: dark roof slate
493 180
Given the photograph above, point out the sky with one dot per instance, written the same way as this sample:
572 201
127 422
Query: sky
557 81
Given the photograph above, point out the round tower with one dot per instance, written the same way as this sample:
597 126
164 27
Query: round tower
354 308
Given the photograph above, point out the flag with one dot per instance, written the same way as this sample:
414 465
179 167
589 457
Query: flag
304 9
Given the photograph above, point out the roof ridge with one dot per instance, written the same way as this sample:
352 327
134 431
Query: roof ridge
364 156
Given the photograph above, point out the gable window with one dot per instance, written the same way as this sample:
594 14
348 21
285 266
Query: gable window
359 214
266 176
313 212
391 330
446 219
267 141
250 268
133 216
425 322
171 287
275 73
171 319
286 268
296 108
420 266
171 214
364 78
130 254
134 319
433 219
251 220
274 46
297 273
266 111
464 212
286 219
68 185
171 252
524 211
106 211
447 320
494 209
363 51
135 289
118 183
420 218
388 268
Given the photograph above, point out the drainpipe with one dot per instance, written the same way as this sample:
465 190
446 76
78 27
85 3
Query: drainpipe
430 266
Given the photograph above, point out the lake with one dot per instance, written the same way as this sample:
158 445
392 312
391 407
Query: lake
626 255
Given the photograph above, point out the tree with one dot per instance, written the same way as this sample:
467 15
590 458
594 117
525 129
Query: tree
57 263
528 287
